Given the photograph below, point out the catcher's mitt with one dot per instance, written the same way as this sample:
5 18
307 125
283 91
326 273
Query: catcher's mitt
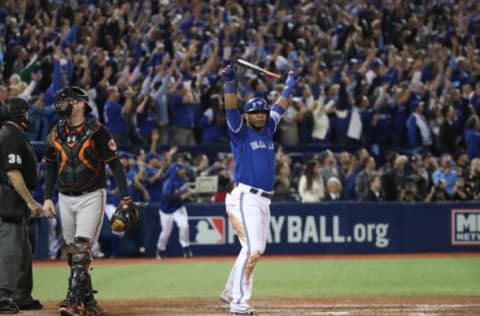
125 215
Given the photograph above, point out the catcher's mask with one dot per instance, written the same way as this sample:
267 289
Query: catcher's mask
65 98
16 110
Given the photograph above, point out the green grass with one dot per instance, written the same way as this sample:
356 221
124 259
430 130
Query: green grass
283 278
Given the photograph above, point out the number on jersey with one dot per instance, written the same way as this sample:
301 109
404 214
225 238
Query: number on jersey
14 159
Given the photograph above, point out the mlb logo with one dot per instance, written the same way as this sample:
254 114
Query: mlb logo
207 230
465 227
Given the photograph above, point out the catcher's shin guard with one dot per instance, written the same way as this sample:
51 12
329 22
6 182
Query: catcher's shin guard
79 261
91 306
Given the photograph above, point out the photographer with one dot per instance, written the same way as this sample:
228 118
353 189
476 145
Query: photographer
472 181
408 193
459 191
438 192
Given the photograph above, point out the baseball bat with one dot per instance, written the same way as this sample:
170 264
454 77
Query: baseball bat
257 68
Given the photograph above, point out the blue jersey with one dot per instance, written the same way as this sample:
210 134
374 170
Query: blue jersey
253 152
113 199
134 193
172 188
155 188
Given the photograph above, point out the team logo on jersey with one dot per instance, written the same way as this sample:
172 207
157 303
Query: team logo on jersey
465 225
207 230
260 144
71 139
112 145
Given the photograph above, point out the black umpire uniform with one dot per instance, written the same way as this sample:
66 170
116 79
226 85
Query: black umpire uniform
16 154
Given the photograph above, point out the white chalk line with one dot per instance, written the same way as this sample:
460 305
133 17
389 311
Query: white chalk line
367 309
369 306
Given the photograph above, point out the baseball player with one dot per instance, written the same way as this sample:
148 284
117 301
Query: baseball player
248 204
172 209
76 152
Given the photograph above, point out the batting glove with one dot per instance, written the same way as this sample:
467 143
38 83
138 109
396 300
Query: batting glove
290 83
228 73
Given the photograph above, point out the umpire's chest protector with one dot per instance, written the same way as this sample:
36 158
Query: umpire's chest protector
78 161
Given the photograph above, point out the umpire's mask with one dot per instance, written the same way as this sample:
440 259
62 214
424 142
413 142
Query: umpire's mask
17 111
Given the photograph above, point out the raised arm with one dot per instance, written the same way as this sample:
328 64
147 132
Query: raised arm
234 118
229 88
284 99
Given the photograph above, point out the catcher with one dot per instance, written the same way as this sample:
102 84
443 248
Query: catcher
76 152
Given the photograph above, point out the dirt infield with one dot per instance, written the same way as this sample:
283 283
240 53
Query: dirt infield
451 306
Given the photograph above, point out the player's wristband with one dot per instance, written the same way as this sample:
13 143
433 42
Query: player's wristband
229 87
286 93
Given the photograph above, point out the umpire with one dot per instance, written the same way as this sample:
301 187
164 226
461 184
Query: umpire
17 180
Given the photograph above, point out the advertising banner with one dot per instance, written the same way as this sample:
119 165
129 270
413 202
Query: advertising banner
336 228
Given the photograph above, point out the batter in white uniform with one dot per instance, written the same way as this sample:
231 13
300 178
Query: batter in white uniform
248 205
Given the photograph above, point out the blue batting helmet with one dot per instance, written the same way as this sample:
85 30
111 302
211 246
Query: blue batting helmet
256 104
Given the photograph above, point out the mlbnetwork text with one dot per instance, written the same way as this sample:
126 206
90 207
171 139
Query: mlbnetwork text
466 227
321 229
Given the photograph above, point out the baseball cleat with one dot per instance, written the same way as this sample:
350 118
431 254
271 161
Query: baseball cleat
187 252
225 297
70 310
241 309
93 309
161 254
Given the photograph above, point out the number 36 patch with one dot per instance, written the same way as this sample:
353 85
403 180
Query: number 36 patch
14 159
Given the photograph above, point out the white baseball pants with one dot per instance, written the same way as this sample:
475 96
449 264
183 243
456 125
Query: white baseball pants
180 217
249 214
82 216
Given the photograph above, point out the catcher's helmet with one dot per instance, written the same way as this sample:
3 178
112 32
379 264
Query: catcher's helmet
256 105
64 95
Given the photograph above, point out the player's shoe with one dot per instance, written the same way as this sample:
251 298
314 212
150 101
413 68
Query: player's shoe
161 254
241 309
70 310
98 254
93 309
8 306
28 303
225 297
187 252
67 307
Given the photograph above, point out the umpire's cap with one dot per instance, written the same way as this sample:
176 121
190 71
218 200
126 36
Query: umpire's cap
73 92
256 105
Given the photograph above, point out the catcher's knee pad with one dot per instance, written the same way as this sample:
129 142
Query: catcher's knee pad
80 252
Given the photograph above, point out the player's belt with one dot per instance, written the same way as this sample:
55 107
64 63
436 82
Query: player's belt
78 193
253 190
262 193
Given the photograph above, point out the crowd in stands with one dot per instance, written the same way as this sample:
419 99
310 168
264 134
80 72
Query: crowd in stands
390 90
